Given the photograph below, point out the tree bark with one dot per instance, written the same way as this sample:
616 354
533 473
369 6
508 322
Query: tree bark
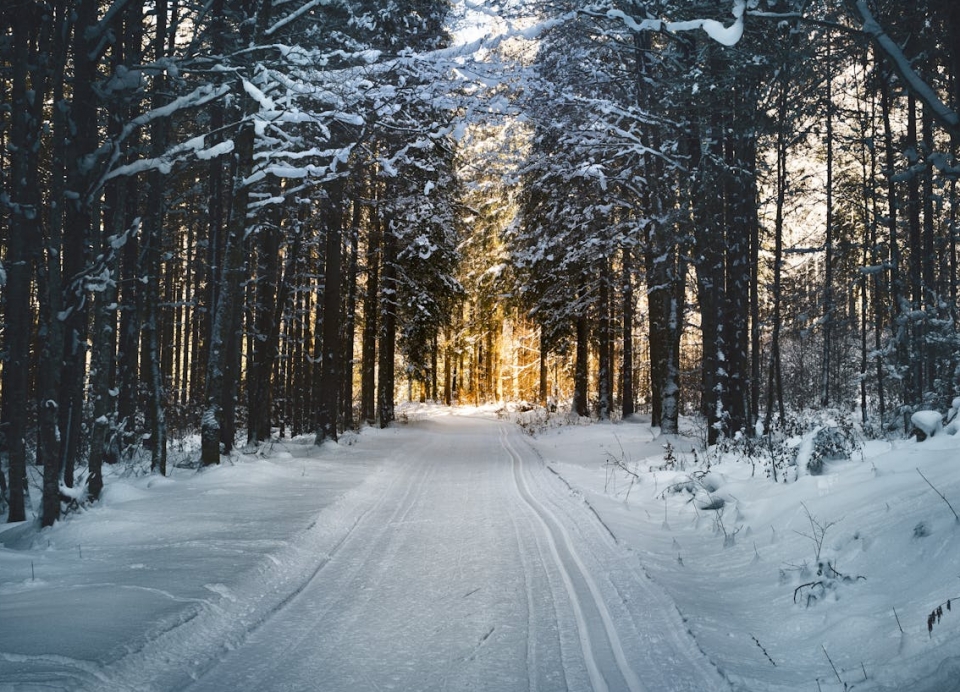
78 226
627 394
150 270
371 311
581 375
775 377
350 320
267 313
828 307
387 343
229 293
330 357
24 236
605 347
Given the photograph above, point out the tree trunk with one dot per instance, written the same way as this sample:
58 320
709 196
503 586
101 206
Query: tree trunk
330 357
371 311
150 272
448 371
656 318
935 355
828 245
627 394
914 384
24 236
226 309
78 226
581 375
543 392
386 350
895 286
775 378
605 347
673 314
741 195
267 312
350 321
710 279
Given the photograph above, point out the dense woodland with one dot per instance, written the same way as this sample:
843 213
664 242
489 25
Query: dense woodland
247 218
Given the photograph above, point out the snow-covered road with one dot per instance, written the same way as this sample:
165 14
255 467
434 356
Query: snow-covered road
457 553
476 569
439 555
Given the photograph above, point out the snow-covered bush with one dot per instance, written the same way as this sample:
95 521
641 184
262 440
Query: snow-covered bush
795 445
953 418
832 443
772 450
926 424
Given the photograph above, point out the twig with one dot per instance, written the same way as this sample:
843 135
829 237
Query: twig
818 531
796 591
942 496
937 613
835 671
898 620
772 662
623 467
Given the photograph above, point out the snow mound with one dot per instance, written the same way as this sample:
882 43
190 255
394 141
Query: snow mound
928 422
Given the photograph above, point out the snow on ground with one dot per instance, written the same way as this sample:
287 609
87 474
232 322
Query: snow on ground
889 542
106 583
168 579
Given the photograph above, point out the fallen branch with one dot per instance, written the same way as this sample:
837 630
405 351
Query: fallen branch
757 642
835 671
810 585
942 496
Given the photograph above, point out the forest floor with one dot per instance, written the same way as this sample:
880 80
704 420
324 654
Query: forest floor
458 553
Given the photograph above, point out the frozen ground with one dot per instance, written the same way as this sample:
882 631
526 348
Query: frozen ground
457 553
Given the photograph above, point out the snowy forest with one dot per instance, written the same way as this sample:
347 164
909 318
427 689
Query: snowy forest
241 219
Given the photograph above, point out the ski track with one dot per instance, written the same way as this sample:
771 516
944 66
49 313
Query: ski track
577 580
176 655
466 566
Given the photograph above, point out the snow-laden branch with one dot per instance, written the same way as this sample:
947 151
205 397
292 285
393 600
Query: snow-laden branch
299 12
196 98
192 148
725 35
940 111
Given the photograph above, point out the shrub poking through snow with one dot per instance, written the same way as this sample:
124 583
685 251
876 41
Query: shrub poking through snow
832 442
795 444
829 577
622 463
813 591
936 614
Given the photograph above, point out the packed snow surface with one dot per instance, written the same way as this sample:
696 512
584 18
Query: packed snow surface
458 553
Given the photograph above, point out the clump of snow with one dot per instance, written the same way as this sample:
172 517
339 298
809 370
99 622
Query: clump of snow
928 422
953 418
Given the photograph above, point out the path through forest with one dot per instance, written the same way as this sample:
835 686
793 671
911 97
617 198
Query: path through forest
454 560
476 569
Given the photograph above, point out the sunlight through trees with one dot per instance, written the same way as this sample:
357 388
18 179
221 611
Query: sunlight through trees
249 218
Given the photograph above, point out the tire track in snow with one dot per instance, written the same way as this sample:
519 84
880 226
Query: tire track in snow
181 655
599 647
674 645
411 493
